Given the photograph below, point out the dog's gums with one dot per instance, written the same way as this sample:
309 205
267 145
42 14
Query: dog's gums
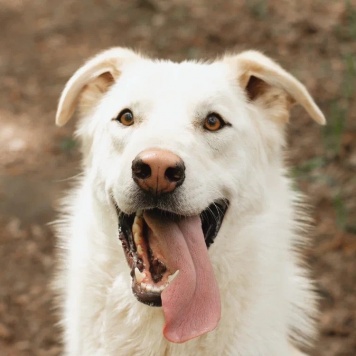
149 270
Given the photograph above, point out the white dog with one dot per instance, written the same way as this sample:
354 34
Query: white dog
182 235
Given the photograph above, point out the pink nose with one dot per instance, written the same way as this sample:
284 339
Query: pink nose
158 171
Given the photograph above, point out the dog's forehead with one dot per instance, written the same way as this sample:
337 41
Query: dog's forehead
151 80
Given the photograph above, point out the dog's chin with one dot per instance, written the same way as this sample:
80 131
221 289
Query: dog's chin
149 269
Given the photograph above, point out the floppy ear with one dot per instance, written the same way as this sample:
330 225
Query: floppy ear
267 84
90 81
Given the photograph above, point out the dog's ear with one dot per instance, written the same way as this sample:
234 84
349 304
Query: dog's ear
90 81
270 86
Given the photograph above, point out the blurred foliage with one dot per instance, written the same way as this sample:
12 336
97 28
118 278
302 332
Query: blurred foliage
347 30
306 167
340 107
68 144
258 8
341 211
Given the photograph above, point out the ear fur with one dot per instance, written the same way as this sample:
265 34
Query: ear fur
267 84
90 81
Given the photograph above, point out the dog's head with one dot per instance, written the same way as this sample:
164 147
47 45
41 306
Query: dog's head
170 146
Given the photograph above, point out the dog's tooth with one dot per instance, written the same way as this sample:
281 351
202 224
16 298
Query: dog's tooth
140 276
139 249
135 229
156 289
138 221
139 213
149 288
137 225
173 276
137 237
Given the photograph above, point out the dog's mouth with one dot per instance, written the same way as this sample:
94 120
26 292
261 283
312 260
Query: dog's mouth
170 267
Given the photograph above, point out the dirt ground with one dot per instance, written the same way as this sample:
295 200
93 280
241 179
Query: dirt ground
41 45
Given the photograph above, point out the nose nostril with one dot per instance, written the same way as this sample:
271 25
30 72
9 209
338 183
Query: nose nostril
175 174
158 171
141 170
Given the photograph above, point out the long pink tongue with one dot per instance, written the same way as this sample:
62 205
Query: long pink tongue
191 302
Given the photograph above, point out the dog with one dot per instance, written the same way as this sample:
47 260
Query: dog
183 234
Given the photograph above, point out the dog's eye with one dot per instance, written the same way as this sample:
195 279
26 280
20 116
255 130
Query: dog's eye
213 122
126 117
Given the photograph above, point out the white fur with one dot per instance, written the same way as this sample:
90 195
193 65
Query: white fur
267 301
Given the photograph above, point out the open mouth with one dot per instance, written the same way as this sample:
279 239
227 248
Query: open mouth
170 267
150 271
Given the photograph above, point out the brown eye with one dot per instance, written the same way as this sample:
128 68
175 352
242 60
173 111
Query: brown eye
126 117
213 122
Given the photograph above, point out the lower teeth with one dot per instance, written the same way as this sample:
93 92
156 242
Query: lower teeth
140 276
150 287
173 276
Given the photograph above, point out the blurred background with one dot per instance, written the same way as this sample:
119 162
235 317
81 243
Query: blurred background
43 42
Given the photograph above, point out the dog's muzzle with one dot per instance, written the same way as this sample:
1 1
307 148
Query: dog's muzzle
167 250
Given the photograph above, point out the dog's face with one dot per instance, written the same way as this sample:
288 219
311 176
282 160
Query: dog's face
179 109
171 147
